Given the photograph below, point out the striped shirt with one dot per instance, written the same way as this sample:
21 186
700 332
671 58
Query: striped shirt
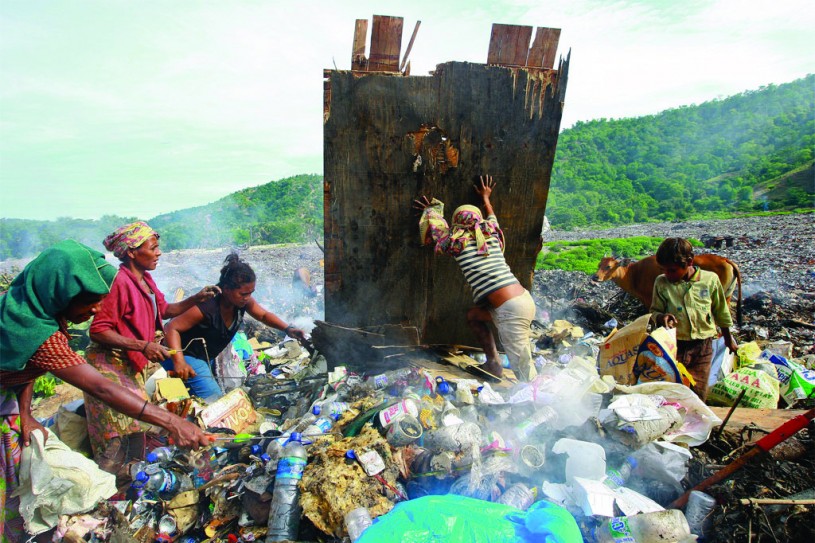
485 273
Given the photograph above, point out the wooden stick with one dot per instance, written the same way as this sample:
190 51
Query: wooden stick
772 501
410 45
729 413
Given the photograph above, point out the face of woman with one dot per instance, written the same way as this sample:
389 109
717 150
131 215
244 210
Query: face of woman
239 297
146 255
83 307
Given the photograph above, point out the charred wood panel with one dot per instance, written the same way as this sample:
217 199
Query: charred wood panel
502 121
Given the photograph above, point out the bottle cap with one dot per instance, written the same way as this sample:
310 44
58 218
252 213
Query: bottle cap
631 460
152 457
296 436
317 409
142 477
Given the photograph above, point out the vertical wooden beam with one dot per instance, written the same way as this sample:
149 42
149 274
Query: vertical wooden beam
509 45
358 60
386 43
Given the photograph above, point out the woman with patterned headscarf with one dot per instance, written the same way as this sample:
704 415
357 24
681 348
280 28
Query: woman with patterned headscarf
127 329
65 283
477 245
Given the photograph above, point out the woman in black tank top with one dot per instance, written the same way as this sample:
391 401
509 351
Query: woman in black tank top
216 322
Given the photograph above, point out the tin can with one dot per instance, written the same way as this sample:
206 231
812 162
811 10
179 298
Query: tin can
404 431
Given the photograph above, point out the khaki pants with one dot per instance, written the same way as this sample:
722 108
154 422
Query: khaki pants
513 320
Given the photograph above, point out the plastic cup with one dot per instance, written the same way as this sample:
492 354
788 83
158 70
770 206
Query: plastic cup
698 510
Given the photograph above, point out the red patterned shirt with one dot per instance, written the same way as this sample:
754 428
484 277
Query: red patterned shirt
53 354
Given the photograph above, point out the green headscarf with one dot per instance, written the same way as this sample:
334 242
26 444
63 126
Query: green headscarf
28 311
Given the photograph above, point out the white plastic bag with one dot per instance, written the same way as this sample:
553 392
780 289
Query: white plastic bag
54 481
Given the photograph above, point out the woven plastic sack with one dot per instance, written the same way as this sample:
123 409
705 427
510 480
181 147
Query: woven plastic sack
762 390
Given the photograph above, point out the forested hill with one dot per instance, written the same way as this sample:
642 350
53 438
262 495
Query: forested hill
752 151
286 211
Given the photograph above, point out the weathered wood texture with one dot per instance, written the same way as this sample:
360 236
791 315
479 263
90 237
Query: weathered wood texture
503 121
386 43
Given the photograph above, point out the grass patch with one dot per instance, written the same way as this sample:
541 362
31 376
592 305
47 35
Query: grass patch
585 255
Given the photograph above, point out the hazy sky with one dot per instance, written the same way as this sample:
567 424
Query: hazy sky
144 107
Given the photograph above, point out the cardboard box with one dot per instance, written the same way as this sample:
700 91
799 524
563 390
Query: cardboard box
234 411
618 354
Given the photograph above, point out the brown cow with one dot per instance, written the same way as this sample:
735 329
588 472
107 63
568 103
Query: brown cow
637 277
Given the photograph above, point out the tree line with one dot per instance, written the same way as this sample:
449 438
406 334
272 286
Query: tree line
745 153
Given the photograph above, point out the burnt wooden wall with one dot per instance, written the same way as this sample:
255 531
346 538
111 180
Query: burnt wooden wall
502 119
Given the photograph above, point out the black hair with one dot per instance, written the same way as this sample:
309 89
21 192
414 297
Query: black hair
235 272
674 251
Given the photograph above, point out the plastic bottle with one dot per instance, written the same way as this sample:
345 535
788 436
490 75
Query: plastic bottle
284 512
334 408
393 412
166 483
615 478
669 525
518 496
136 467
697 512
543 415
320 426
161 454
356 521
389 377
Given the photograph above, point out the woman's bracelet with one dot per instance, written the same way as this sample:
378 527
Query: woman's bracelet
146 343
287 328
144 405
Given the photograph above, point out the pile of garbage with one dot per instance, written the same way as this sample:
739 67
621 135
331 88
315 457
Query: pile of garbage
303 454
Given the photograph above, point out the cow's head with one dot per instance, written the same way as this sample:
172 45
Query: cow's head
605 271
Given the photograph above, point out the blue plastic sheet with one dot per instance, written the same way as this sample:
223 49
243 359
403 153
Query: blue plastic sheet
457 519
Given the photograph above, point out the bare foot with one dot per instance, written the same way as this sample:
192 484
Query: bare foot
493 367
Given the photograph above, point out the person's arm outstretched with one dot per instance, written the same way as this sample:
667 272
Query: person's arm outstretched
484 189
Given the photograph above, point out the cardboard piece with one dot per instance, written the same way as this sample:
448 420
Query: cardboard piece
618 354
233 410
170 389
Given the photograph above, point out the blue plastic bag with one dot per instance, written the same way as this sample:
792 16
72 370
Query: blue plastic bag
458 519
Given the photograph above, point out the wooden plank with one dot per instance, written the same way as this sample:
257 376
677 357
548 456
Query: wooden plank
386 43
766 419
410 46
358 60
509 45
551 38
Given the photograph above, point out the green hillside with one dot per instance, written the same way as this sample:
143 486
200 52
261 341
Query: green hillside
723 155
747 153
286 211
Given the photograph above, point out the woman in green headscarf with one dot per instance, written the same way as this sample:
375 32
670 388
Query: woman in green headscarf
66 282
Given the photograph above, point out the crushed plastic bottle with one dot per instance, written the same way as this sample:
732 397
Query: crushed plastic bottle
541 416
284 512
388 378
615 478
161 455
